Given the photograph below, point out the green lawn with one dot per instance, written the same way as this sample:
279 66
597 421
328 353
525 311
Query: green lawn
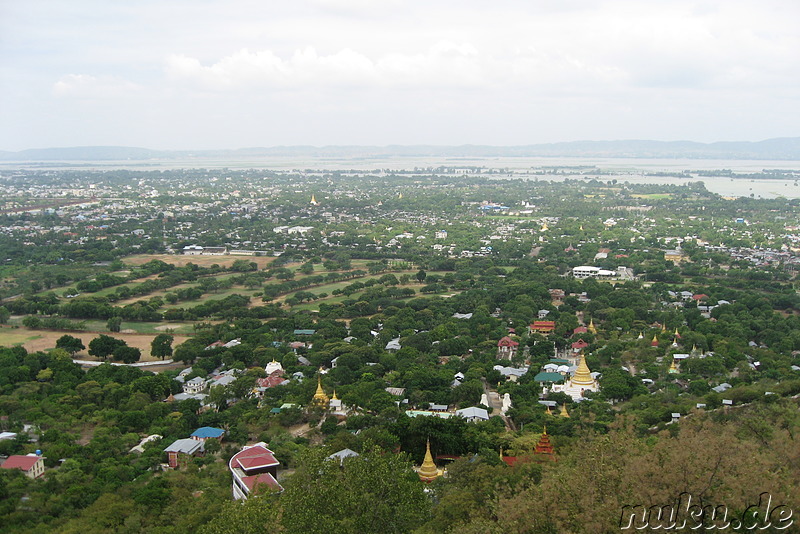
12 338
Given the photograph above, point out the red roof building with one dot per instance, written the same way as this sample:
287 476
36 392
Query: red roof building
543 327
31 465
506 348
253 467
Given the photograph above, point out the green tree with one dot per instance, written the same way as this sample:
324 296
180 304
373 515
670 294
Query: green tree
114 324
373 492
127 354
70 344
104 346
161 346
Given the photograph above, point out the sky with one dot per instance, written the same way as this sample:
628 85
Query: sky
203 74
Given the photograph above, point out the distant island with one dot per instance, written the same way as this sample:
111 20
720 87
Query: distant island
785 148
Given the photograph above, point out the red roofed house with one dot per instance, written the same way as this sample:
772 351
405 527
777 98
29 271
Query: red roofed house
506 348
253 469
31 465
579 345
542 327
580 330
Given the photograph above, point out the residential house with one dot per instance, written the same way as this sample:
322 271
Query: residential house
204 433
32 464
506 348
181 451
253 468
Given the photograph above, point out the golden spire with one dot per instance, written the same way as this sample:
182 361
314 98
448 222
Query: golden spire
672 367
677 334
641 335
592 328
427 471
544 227
320 398
582 376
564 412
334 396
313 200
664 327
547 411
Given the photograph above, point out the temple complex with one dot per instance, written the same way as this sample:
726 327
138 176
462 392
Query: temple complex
580 383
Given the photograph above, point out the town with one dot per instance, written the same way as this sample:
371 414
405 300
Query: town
212 349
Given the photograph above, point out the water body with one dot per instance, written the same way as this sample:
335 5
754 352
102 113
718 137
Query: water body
633 170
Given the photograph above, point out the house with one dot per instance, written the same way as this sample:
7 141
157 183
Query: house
32 464
506 348
542 314
253 468
342 454
182 450
194 386
205 433
473 414
394 344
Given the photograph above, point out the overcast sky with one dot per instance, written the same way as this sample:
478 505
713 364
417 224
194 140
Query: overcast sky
196 74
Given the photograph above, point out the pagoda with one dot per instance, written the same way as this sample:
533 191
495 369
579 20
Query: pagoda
320 399
654 343
580 383
673 369
544 449
564 412
592 329
428 472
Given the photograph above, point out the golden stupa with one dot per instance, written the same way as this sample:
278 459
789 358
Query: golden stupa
428 472
591 328
320 399
582 376
564 412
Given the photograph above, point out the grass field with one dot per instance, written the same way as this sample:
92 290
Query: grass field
203 261
42 340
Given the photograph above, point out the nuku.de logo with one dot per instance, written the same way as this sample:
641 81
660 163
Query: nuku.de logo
683 515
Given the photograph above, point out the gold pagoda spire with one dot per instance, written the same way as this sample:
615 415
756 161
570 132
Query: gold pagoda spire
334 396
582 376
547 410
427 471
320 398
664 327
672 367
591 327
564 412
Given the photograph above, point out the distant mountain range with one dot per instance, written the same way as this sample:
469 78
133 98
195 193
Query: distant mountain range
786 148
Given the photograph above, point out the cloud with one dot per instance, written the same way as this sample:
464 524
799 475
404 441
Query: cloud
94 87
443 65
